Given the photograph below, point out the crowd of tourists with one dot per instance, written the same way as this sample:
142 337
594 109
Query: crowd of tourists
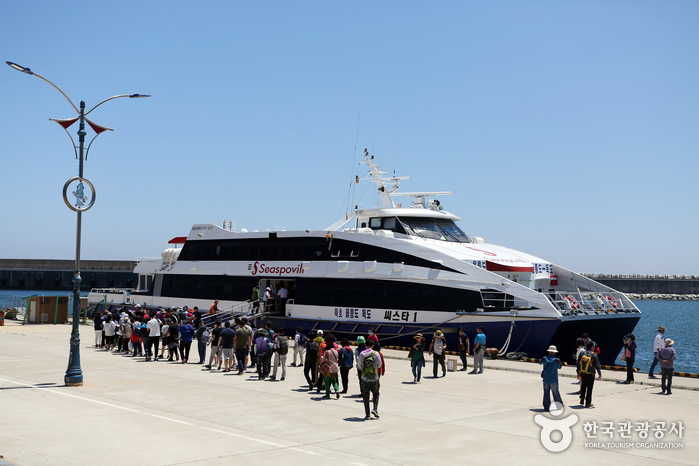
236 345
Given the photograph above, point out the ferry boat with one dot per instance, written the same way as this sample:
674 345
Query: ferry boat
393 269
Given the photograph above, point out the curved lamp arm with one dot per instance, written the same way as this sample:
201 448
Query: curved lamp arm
131 96
28 71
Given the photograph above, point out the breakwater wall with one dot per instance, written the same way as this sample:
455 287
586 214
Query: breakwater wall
57 275
676 287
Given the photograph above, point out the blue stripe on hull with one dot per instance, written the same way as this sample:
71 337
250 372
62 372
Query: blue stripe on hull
531 337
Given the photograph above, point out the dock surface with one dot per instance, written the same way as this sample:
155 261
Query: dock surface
159 413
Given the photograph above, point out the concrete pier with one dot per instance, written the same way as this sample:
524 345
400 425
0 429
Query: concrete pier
158 413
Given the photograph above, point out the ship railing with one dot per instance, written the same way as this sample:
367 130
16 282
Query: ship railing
591 302
229 312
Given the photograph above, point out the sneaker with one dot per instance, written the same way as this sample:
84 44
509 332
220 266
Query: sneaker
582 401
473 372
326 397
590 406
651 376
282 379
669 392
367 418
375 413
337 395
444 374
272 378
208 366
293 364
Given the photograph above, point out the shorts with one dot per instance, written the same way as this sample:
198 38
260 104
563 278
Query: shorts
228 354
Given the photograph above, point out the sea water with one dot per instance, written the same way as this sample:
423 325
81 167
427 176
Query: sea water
680 321
678 317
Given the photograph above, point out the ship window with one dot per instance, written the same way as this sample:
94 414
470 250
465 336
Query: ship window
389 223
307 253
375 223
274 252
296 249
233 253
284 251
264 252
243 253
362 225
433 228
254 252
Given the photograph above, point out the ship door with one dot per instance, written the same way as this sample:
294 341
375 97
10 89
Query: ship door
274 303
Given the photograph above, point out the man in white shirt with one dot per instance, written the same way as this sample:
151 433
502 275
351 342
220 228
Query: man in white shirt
283 296
153 329
658 344
368 364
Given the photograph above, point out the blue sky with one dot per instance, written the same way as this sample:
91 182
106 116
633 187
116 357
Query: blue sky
569 130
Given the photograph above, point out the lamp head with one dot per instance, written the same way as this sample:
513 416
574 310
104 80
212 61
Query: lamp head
19 67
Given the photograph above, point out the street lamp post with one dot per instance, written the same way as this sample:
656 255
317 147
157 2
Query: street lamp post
74 375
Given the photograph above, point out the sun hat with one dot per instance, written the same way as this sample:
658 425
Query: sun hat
419 335
552 349
438 333
669 342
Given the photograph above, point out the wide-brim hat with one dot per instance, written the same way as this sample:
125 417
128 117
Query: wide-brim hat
419 335
552 349
438 333
669 342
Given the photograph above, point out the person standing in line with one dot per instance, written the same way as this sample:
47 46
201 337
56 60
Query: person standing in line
464 347
186 335
197 316
153 330
437 350
658 344
630 355
372 336
136 332
97 319
309 365
361 346
478 351
262 349
346 362
283 296
667 356
550 377
109 332
368 363
588 363
417 360
281 349
242 344
330 368
126 331
299 344
203 337
214 307
215 337
227 344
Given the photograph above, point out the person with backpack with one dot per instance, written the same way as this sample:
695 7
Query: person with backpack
437 351
361 347
136 333
186 335
369 363
587 339
550 377
299 342
346 363
309 366
281 349
588 363
202 336
262 350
